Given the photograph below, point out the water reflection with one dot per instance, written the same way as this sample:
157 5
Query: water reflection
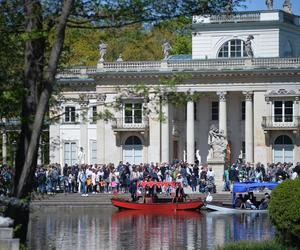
107 228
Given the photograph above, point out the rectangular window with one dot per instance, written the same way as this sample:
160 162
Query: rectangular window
283 111
133 113
195 111
70 114
70 150
243 110
94 114
215 111
93 152
278 111
288 111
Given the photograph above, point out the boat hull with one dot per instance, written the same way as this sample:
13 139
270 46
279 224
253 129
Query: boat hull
187 205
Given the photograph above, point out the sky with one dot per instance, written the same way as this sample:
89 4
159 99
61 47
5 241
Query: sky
260 5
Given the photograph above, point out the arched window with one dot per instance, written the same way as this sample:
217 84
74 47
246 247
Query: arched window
133 140
133 150
232 49
283 149
288 49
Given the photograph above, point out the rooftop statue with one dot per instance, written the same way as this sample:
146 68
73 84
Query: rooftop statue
248 47
228 6
166 47
269 4
287 6
102 51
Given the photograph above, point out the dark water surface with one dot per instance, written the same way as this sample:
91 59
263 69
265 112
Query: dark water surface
107 228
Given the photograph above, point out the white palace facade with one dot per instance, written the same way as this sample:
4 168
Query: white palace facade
253 99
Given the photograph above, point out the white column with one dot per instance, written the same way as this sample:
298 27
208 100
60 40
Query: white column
249 126
222 111
190 132
165 134
84 131
101 124
4 147
39 159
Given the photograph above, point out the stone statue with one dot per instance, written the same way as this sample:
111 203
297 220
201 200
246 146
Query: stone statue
287 6
217 143
248 47
228 6
81 156
241 154
198 156
166 47
102 51
269 4
120 59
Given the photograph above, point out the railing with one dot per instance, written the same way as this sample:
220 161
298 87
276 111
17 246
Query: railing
128 124
281 123
228 18
183 65
236 17
276 62
132 66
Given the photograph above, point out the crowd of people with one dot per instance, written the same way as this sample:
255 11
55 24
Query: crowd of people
6 175
102 178
108 178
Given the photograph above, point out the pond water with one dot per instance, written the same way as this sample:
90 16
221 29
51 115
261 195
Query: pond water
107 228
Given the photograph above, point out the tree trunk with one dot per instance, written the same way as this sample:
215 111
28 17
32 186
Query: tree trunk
35 104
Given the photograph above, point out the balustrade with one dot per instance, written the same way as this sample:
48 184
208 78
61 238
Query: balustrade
285 123
183 65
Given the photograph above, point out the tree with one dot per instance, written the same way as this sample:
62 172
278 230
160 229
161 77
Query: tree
37 20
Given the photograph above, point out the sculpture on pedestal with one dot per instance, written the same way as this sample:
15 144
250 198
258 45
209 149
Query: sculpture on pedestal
198 156
248 47
81 156
166 47
217 143
269 4
287 6
102 51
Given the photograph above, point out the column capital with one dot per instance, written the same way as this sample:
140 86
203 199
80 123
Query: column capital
248 95
222 96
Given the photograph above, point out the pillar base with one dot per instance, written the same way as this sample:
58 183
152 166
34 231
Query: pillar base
217 166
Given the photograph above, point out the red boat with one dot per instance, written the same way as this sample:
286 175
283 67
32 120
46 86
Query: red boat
150 203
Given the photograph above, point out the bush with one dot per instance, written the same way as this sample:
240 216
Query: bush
284 211
254 245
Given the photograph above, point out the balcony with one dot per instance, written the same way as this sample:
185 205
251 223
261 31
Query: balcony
290 123
126 124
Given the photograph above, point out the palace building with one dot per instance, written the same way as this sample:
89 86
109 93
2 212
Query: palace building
246 68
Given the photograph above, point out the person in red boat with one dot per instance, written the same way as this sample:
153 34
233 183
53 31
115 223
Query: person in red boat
180 195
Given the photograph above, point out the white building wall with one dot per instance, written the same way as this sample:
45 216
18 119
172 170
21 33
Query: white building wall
292 36
206 44
54 143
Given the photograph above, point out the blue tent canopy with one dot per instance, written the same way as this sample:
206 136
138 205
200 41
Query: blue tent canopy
242 187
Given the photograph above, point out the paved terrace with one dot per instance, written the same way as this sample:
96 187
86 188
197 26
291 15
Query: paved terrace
173 66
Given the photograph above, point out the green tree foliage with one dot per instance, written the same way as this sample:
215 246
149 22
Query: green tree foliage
284 211
135 42
11 61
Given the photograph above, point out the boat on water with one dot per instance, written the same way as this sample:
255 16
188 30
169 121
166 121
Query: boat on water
151 203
